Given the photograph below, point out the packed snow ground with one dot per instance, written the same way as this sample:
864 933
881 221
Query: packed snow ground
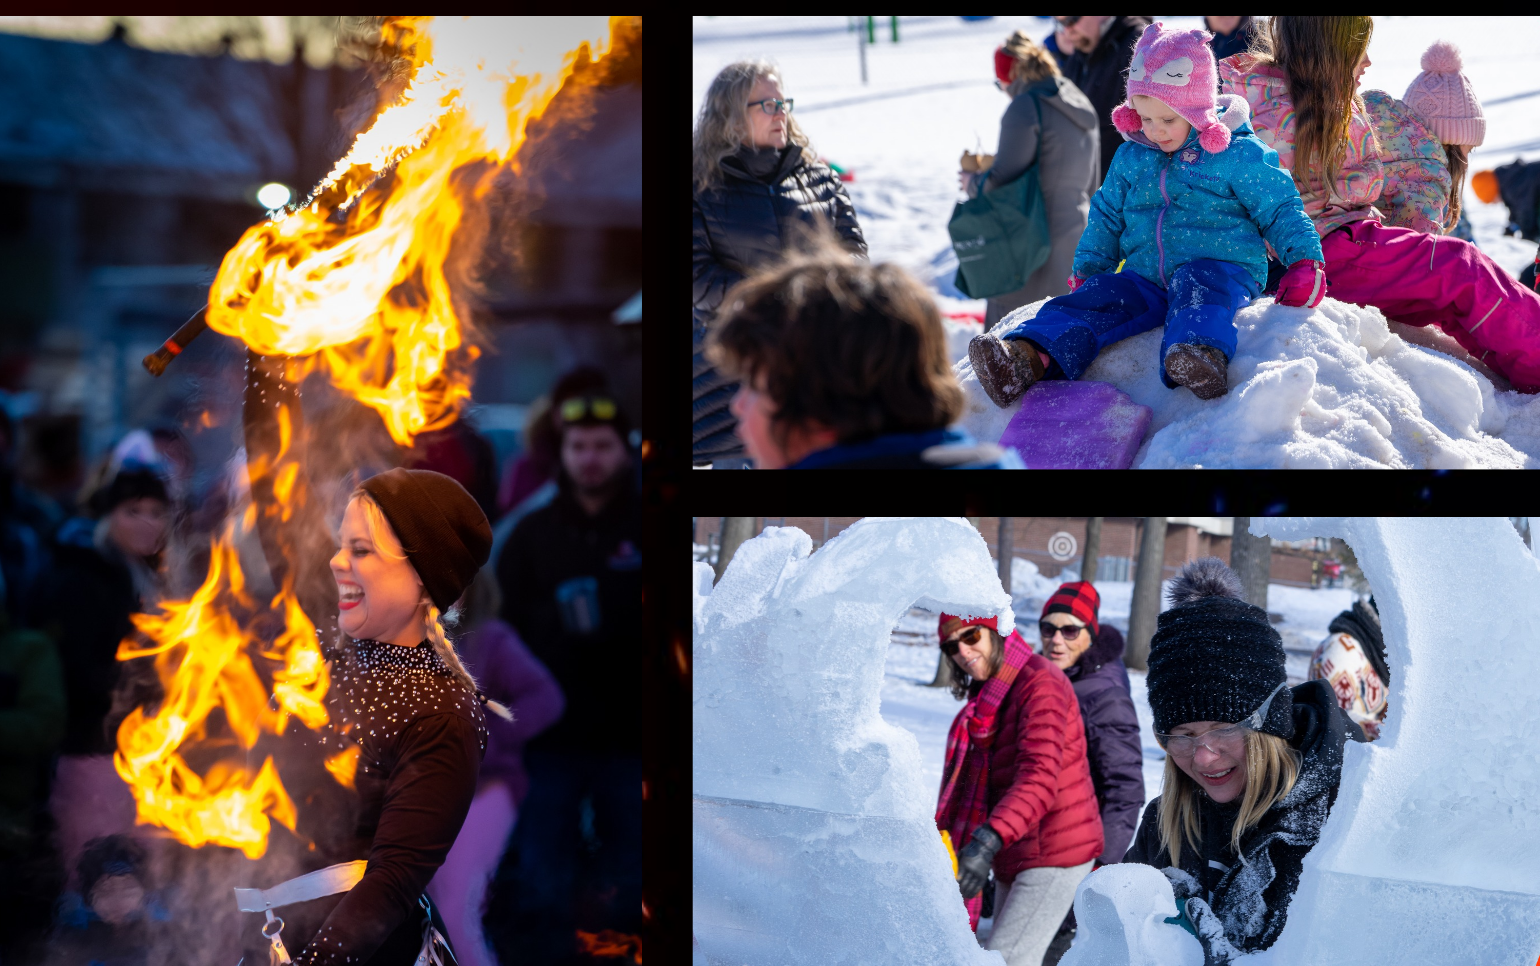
909 702
1333 387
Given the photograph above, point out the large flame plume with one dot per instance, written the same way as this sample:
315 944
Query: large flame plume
355 280
203 660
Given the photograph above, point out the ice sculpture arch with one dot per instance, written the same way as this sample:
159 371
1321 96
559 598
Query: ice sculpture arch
814 838
1432 851
1430 855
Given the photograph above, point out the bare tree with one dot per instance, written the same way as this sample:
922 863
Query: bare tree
1093 546
1252 560
1005 551
1146 602
735 530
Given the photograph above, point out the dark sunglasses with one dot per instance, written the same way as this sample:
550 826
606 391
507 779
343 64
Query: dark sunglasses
1048 630
577 407
970 636
1067 21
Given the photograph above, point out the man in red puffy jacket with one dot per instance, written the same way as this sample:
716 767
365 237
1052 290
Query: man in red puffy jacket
1017 787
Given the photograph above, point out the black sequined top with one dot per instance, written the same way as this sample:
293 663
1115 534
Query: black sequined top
421 736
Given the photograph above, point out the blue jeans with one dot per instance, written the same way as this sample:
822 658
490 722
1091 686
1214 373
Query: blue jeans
557 843
1199 308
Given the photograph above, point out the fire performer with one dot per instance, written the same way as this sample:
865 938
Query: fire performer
412 542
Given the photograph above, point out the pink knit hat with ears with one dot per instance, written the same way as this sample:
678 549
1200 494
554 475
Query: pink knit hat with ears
1176 67
1443 97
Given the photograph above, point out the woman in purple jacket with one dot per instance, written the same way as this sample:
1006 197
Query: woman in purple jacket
510 674
1091 655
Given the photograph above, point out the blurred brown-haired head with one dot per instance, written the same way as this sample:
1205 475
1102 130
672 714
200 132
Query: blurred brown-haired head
832 338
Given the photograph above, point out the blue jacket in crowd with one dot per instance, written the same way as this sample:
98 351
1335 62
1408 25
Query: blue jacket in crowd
1160 211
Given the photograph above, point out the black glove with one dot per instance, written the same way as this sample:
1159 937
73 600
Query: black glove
974 860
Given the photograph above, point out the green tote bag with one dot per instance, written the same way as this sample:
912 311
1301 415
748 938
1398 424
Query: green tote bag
1001 237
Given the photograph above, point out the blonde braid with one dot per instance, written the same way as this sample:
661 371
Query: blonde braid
446 652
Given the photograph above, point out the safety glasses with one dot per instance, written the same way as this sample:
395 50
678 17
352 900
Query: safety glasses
1228 738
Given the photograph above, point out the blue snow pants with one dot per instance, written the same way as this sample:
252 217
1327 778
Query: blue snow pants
1199 307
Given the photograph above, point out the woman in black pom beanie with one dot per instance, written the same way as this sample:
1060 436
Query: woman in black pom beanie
1252 765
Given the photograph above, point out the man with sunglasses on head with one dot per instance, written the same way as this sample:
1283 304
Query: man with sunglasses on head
1016 793
1095 53
571 581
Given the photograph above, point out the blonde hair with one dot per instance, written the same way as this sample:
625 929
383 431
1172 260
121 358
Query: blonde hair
388 545
1272 766
723 126
1033 61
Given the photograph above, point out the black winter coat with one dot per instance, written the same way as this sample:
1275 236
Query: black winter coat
84 605
1100 75
572 587
1252 898
740 224
1111 739
1225 45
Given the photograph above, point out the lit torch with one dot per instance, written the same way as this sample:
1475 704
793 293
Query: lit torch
352 283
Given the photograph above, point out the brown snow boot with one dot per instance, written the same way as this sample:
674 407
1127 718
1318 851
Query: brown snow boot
1005 367
1201 368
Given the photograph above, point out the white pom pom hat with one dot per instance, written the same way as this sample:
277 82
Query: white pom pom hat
1443 96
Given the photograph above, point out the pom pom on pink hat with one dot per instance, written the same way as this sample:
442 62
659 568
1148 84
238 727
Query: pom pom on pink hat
1444 98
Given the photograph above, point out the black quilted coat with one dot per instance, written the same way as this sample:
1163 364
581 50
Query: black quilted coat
741 223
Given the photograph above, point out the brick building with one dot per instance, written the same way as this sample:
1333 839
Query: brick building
1033 538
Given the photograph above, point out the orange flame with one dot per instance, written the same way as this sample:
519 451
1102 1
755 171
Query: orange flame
344 765
355 280
610 943
202 657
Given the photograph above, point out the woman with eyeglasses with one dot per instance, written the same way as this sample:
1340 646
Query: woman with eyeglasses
1016 793
756 178
1252 766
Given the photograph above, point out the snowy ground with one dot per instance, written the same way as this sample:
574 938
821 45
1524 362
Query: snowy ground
907 700
1308 388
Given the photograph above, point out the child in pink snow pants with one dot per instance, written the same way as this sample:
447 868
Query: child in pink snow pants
1382 222
1423 279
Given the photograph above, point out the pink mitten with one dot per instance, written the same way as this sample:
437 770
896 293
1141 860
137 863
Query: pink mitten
1074 282
1304 284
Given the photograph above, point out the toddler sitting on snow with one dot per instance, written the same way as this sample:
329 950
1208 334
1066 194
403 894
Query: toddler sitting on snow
1176 236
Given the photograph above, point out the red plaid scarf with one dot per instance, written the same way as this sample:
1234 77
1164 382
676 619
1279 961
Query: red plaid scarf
963 805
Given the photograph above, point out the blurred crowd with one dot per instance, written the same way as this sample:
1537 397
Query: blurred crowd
551 851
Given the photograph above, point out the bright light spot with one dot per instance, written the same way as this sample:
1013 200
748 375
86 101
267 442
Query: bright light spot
273 195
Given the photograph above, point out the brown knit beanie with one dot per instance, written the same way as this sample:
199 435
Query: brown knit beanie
444 533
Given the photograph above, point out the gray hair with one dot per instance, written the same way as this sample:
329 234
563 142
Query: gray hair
723 125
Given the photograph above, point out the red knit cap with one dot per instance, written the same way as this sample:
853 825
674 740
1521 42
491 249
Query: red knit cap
951 623
1078 599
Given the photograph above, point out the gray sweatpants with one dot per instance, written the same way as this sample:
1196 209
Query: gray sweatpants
1030 910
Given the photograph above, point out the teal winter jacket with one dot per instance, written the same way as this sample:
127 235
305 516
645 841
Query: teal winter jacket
1160 211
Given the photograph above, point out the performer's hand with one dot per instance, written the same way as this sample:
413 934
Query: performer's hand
974 860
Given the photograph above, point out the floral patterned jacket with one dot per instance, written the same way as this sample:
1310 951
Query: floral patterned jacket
1361 175
1416 192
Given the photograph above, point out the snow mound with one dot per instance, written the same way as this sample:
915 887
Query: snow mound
1121 912
1329 387
814 832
